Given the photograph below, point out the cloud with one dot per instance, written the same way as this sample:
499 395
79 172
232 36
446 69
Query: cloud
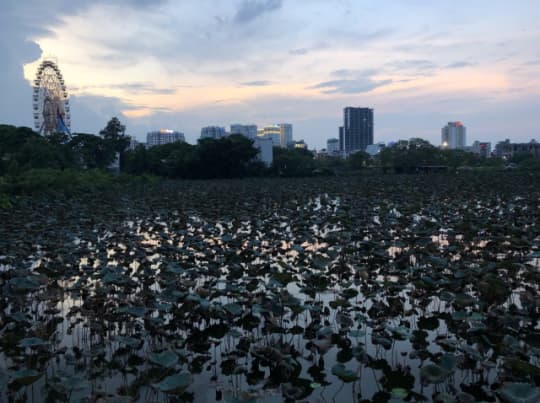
351 81
417 64
251 9
349 73
260 83
419 67
144 50
352 37
304 50
458 65
143 88
90 113
356 86
299 51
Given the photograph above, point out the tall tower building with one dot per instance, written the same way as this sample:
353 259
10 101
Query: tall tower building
357 131
454 136
285 134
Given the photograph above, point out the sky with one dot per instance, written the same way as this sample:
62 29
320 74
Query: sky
185 64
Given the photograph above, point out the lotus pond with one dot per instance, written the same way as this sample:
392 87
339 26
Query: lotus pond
379 288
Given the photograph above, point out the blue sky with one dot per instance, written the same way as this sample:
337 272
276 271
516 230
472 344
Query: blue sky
186 64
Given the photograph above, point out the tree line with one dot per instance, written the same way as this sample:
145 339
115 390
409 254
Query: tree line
21 149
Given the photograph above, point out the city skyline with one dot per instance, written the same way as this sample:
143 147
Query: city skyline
185 66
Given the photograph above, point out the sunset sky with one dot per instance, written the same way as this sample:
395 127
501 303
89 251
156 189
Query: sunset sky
186 64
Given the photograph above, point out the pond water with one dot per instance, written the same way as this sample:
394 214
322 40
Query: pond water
321 290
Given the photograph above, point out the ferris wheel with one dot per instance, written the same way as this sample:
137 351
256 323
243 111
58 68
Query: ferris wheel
50 100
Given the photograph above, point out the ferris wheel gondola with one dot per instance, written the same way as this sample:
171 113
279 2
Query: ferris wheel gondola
50 100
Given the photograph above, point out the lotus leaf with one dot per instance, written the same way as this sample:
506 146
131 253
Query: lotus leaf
519 393
32 342
399 393
167 359
233 308
24 284
3 379
137 311
175 383
26 376
346 375
448 362
357 333
433 373
129 341
76 383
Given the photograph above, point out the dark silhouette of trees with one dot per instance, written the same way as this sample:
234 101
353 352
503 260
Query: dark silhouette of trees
91 151
228 157
115 134
293 162
22 149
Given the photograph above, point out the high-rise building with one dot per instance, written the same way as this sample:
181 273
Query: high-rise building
332 146
163 136
250 131
285 134
357 131
273 132
281 134
213 132
454 136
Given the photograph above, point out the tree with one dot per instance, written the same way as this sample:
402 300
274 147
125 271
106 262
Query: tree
91 151
22 149
58 138
227 157
295 162
115 134
358 160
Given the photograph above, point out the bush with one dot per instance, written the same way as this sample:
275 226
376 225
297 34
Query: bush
5 202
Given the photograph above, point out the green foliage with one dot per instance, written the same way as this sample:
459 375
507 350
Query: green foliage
526 161
36 181
40 180
228 157
5 202
90 151
293 162
22 149
410 158
115 135
358 160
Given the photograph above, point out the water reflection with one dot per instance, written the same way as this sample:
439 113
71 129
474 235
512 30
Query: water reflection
317 301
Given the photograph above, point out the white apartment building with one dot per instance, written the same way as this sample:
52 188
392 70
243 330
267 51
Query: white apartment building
163 136
454 136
